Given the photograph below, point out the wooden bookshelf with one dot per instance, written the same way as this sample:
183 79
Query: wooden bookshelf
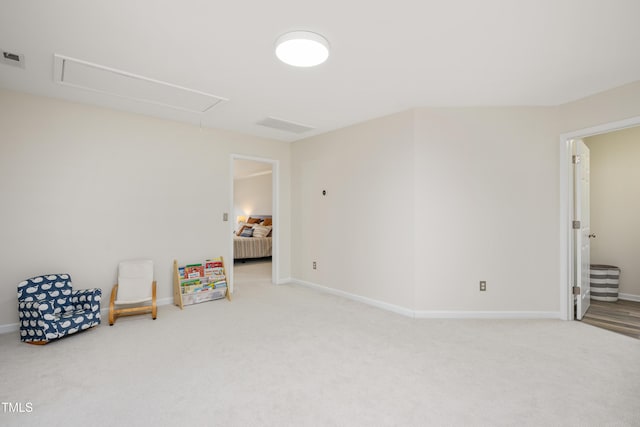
200 282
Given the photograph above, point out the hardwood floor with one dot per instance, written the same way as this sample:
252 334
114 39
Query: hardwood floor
621 316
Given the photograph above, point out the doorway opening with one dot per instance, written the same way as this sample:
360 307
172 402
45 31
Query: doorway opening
571 270
254 221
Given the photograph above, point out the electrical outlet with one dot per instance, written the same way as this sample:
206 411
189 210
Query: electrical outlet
314 265
483 285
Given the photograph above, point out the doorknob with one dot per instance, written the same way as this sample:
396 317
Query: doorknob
592 236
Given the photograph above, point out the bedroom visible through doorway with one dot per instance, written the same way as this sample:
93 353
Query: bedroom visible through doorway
254 221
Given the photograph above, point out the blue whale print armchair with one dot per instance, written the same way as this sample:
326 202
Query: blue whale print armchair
49 308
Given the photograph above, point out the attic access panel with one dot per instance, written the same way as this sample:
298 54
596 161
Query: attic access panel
98 78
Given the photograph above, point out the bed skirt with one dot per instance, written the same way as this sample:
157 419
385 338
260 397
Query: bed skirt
252 247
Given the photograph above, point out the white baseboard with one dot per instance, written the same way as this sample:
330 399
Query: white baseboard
385 306
437 314
629 297
433 314
165 301
418 314
9 327
104 311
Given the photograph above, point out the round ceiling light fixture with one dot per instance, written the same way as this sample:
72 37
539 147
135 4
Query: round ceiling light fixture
302 49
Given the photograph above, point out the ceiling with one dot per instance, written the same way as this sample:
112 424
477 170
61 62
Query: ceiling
385 56
243 169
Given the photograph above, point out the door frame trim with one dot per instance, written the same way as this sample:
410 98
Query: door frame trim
566 206
275 207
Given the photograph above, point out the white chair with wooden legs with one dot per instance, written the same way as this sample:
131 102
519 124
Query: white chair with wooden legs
136 290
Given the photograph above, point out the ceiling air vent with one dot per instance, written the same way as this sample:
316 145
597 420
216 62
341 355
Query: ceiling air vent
13 59
287 126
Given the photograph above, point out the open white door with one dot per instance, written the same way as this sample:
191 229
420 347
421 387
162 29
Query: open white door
581 226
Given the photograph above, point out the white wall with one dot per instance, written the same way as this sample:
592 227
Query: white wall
423 205
458 195
615 204
486 199
606 107
253 195
360 233
420 205
83 188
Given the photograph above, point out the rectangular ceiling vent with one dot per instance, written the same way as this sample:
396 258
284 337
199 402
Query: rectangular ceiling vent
13 59
285 125
98 78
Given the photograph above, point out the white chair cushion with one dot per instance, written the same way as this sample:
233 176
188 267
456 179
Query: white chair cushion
134 281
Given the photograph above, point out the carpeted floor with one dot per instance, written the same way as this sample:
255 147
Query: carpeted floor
291 356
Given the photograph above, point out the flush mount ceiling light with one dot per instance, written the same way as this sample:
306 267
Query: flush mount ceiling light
302 49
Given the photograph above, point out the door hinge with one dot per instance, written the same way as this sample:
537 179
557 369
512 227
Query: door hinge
576 290
575 159
576 225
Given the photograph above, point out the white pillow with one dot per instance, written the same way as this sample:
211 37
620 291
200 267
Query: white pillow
261 230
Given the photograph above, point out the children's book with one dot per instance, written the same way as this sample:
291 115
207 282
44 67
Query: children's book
194 270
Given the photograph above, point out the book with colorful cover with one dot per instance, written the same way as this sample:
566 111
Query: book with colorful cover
213 263
203 281
213 267
217 271
194 270
220 284
189 289
191 282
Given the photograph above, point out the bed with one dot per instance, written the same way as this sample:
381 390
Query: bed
248 246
